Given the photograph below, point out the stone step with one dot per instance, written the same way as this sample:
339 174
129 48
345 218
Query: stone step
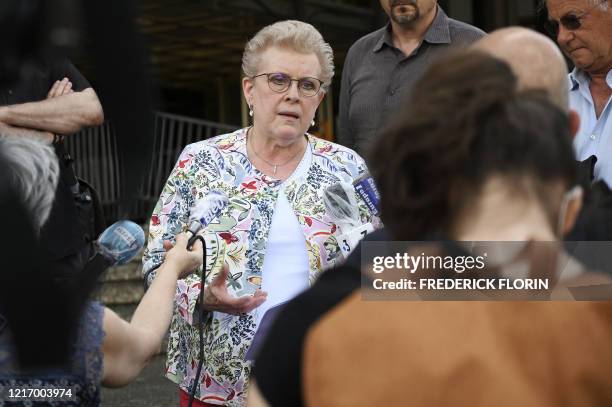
125 311
126 272
121 292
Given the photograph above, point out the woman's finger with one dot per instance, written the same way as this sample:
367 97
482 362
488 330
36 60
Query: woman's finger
167 245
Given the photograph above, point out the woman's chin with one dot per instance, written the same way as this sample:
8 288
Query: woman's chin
288 134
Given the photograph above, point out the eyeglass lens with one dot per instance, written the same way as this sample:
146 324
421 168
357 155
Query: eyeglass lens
570 22
280 82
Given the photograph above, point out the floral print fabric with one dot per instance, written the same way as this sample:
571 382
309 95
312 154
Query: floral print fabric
238 238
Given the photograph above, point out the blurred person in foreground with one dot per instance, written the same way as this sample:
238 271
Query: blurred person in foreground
43 95
538 64
276 234
498 167
58 337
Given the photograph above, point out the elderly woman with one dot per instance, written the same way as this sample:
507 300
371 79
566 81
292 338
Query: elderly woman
276 234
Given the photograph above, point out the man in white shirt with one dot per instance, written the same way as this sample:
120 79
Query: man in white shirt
583 29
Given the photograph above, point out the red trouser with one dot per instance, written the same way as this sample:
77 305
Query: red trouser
184 400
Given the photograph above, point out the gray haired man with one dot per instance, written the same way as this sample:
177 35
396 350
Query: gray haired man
583 30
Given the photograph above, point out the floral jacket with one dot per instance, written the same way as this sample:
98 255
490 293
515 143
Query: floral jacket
238 238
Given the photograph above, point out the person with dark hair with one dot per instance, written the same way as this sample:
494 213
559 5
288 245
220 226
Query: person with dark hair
538 64
495 150
43 95
475 160
49 100
56 337
382 67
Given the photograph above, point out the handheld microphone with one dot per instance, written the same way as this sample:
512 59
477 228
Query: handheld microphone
117 245
366 189
341 204
201 216
204 212
120 242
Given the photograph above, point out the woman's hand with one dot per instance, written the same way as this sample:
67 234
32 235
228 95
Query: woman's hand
184 261
216 297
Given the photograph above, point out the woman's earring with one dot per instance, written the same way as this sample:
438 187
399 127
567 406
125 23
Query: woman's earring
312 123
251 110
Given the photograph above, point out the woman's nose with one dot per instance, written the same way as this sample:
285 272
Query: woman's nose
293 92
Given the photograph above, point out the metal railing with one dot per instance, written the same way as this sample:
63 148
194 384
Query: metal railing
96 158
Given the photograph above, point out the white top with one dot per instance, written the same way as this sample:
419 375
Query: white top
285 269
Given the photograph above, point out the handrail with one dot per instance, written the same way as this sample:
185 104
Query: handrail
96 158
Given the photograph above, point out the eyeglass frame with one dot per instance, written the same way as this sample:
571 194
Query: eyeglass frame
291 80
553 25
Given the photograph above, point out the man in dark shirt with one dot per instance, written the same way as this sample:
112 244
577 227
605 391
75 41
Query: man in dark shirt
49 100
382 67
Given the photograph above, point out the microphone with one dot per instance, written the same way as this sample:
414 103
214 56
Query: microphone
201 216
204 212
341 204
120 242
117 245
366 189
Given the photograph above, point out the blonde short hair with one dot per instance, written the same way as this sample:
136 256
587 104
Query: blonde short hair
292 34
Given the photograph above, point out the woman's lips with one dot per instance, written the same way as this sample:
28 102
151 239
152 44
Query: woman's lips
290 115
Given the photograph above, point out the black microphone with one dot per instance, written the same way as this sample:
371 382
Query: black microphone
201 216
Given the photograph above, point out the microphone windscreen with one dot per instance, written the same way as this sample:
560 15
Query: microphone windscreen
121 241
205 210
341 204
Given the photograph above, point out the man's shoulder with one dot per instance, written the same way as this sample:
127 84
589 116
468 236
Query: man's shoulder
367 42
464 33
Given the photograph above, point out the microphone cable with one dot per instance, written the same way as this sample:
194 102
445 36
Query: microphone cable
202 315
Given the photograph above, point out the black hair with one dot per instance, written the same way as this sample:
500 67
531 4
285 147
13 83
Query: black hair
465 122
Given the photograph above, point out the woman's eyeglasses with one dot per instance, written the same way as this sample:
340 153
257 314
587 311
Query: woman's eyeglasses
570 22
280 82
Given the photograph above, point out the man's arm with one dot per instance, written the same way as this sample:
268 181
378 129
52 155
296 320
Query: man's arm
6 130
64 114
